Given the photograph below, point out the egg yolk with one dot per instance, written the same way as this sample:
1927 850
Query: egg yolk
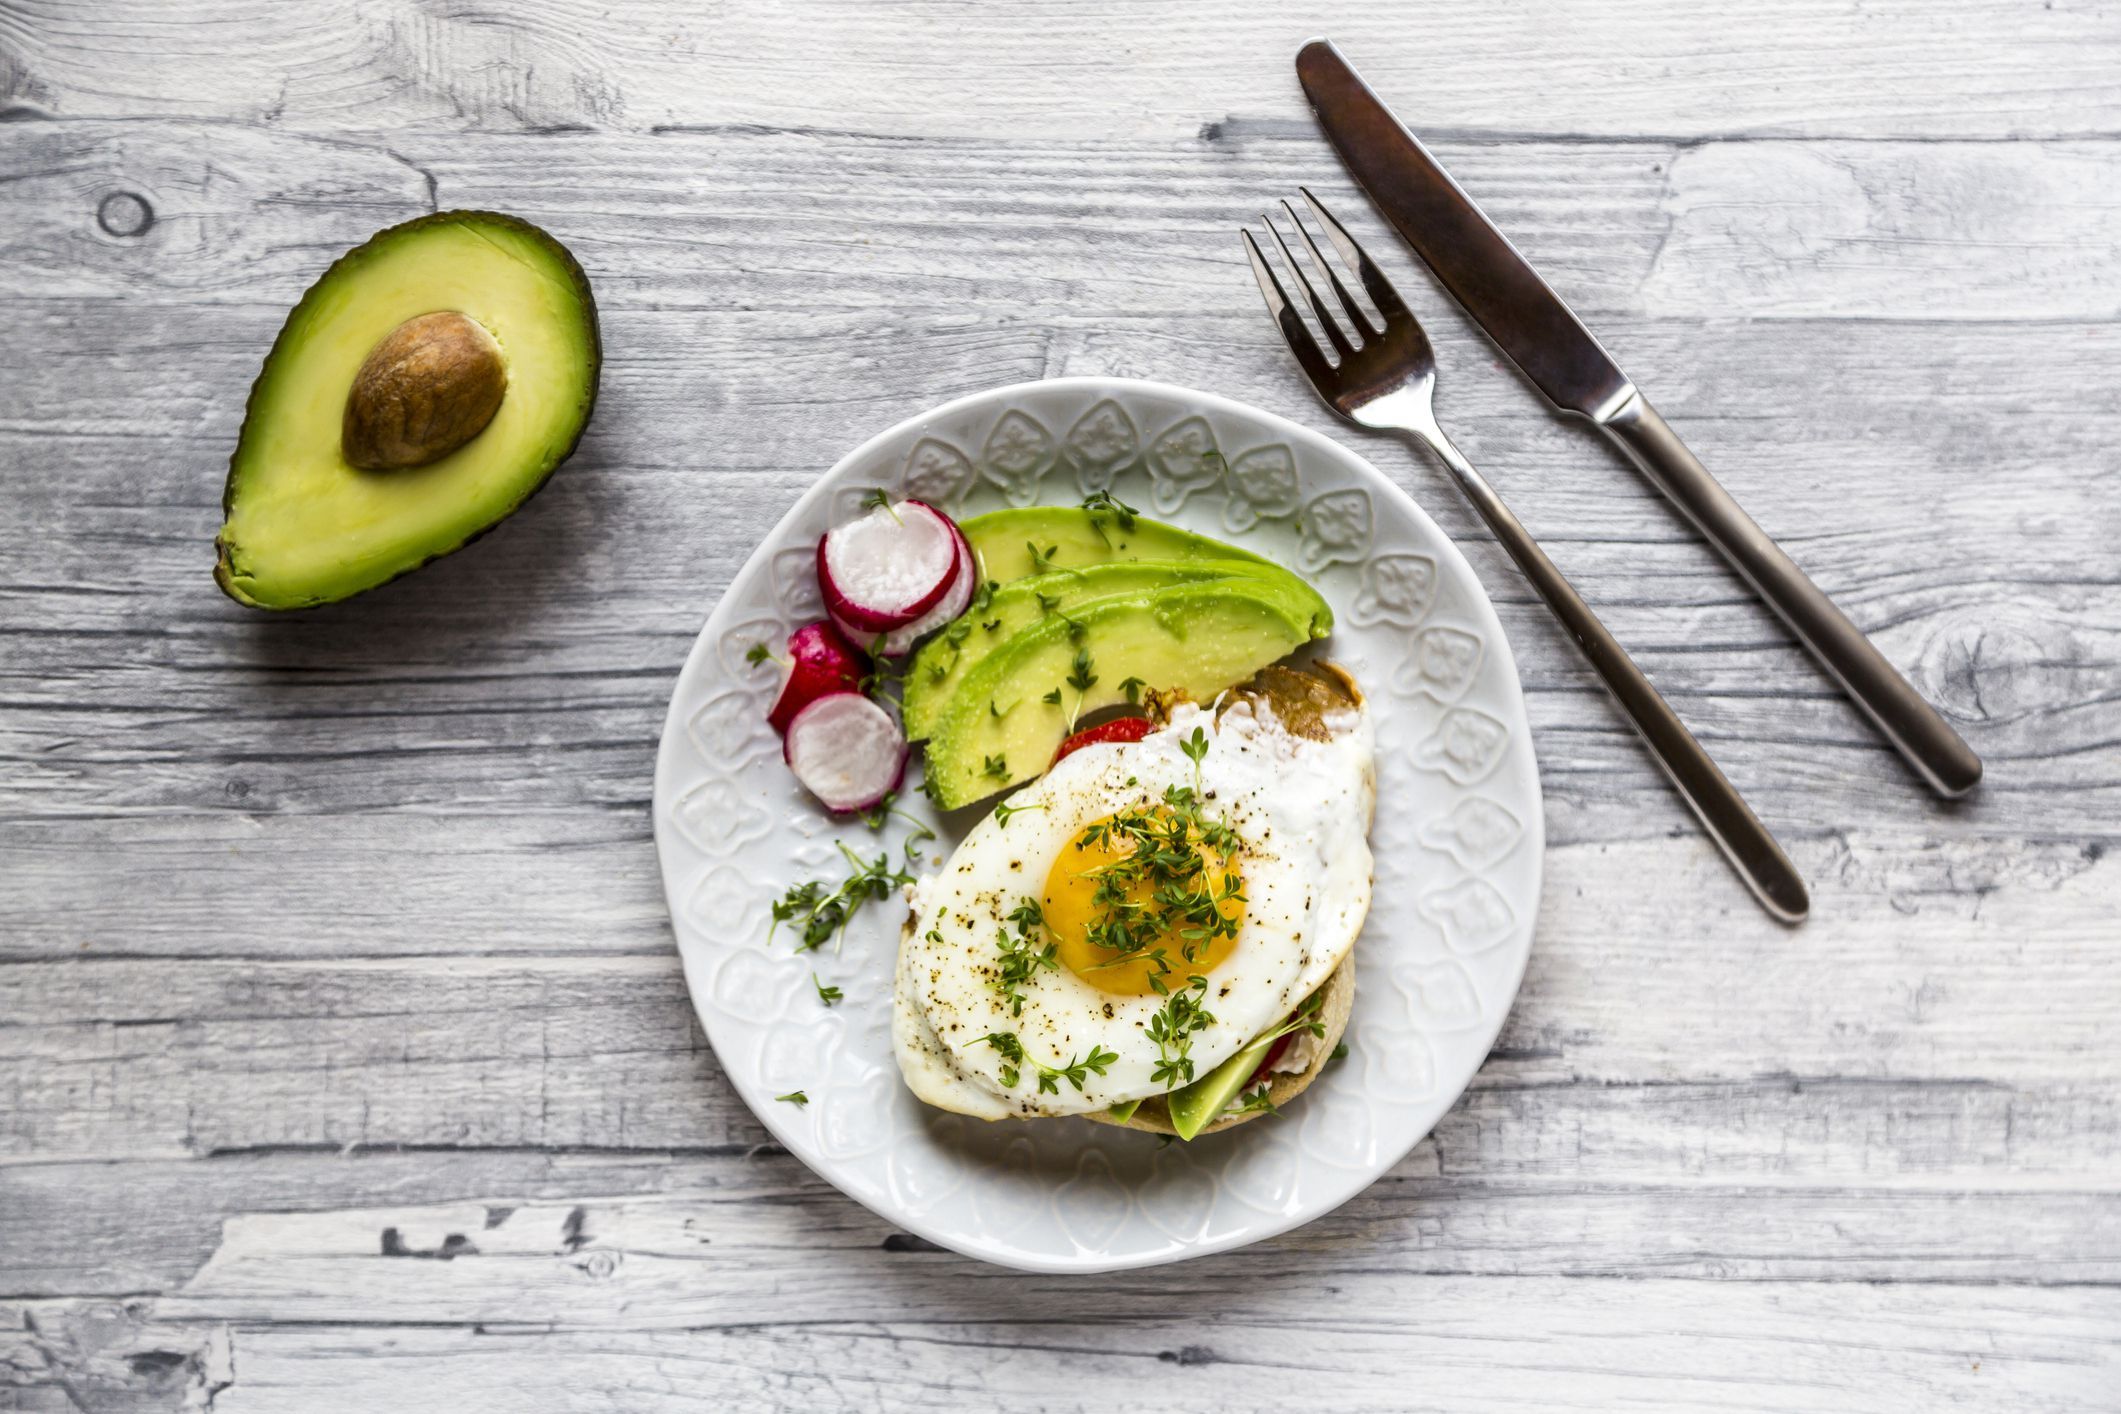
1138 884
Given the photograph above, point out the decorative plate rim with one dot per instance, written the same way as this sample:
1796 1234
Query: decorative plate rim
700 659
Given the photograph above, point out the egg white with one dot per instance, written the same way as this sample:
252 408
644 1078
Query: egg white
1302 810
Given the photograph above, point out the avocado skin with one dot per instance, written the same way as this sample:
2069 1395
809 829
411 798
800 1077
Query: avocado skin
224 572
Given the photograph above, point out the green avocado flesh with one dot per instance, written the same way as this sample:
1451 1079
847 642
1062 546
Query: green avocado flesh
1196 1106
952 655
303 526
999 727
1192 1108
1003 540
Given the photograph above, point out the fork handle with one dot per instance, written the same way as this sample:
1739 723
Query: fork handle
1939 755
1731 823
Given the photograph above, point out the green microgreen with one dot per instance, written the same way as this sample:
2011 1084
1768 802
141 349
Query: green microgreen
1161 885
825 915
830 996
1022 955
995 766
1196 749
1012 1051
878 677
1105 501
1131 689
1075 1071
794 1097
884 811
1304 1018
1004 811
1182 1014
878 498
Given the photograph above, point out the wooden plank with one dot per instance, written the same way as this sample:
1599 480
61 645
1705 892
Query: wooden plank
1652 1035
531 672
1371 1341
1090 70
66 1357
638 1264
744 218
217 885
2013 925
315 929
296 1234
1770 402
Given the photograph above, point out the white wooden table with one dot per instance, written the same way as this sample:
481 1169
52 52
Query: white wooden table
344 1059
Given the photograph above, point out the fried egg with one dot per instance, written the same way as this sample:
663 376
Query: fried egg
1038 969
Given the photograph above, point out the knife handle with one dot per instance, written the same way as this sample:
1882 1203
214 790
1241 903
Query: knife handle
1916 730
1731 823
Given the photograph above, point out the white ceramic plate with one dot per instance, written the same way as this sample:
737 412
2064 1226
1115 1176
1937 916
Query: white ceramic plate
1458 841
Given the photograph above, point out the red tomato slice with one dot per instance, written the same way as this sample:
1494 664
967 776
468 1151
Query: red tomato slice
1118 729
1266 1062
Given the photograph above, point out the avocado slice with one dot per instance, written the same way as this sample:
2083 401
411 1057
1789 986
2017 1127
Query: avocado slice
424 387
1123 1112
1194 1107
1003 540
949 657
1010 714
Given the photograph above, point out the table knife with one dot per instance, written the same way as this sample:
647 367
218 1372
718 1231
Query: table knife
1543 337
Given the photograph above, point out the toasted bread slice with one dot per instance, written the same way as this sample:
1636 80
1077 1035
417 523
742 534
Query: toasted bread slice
1282 1086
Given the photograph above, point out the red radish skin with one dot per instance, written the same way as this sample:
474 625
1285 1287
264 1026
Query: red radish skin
1118 729
889 568
866 642
821 659
846 750
899 642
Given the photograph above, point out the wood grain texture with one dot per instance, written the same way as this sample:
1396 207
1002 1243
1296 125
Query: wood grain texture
345 1063
1075 70
1673 1345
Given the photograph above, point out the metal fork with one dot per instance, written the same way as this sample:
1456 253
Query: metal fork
1386 378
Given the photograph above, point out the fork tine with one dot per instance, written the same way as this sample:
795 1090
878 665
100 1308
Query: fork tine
1319 262
1318 306
1308 353
1387 299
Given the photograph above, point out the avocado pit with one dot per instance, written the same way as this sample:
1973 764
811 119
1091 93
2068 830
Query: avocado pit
427 388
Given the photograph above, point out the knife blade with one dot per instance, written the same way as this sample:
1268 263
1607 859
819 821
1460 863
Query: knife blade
1531 324
1472 259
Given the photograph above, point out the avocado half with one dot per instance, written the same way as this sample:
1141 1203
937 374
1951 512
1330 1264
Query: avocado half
455 422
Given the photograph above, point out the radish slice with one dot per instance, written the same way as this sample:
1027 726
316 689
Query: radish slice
820 660
899 641
888 568
846 750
